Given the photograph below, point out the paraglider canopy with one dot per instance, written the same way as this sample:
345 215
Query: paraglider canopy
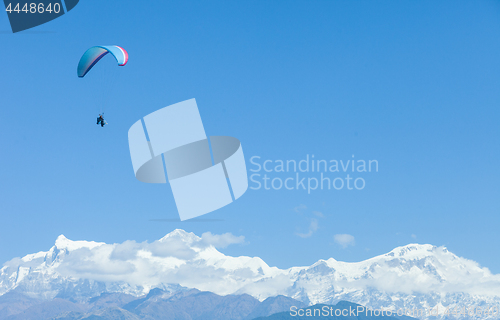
94 54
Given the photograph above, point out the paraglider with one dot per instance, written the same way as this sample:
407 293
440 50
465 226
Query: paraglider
101 120
92 56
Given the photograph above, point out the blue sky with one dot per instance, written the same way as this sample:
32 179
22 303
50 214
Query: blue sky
413 85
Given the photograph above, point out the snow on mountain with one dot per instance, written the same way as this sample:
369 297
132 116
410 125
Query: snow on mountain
64 243
412 276
134 268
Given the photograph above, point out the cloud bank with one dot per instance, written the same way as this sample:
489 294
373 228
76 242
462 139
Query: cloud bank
190 261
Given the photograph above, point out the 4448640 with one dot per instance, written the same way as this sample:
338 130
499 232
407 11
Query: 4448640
33 8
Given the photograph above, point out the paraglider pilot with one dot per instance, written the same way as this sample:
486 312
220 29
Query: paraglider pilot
100 120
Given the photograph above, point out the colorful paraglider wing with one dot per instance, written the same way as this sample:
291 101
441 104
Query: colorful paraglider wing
94 54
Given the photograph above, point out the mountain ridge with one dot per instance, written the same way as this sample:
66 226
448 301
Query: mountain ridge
420 275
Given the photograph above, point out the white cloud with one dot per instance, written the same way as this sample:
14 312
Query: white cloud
175 257
312 228
310 216
414 236
344 240
171 247
222 240
300 208
95 264
318 214
188 260
126 251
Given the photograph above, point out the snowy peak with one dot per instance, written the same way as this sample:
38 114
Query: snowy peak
413 251
64 243
179 234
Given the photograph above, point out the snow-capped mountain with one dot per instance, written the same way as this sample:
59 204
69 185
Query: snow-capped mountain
413 276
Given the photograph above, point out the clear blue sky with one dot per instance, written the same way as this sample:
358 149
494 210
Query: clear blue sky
412 84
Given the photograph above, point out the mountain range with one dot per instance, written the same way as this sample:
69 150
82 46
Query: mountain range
157 304
73 276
